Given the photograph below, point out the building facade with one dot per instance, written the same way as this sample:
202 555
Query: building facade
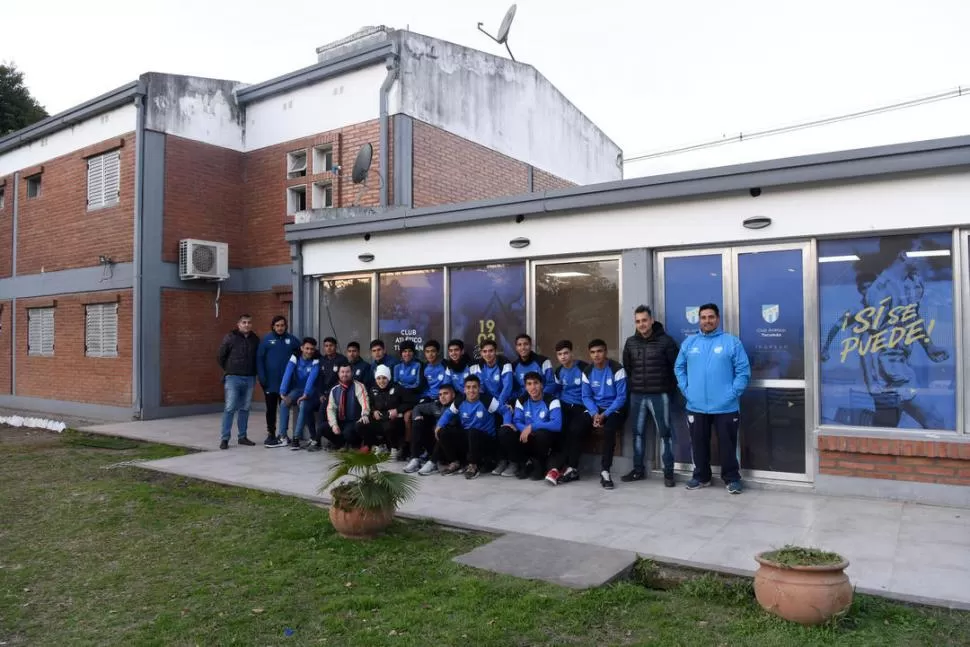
96 318
843 274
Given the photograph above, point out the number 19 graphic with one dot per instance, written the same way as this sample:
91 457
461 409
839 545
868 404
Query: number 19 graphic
486 330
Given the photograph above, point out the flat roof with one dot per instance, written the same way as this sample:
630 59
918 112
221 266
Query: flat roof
852 165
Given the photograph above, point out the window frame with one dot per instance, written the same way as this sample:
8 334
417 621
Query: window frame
105 310
33 181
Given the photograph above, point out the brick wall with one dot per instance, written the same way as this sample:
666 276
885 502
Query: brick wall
70 374
6 227
191 334
203 197
542 181
266 185
6 347
449 169
55 230
924 461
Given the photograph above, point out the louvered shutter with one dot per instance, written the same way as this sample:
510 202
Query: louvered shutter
47 331
109 331
92 331
101 330
33 332
40 331
96 182
112 177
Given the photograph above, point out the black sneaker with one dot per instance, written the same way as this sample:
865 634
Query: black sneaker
571 474
272 441
295 445
537 473
224 444
471 472
669 480
635 475
246 442
522 471
606 480
314 447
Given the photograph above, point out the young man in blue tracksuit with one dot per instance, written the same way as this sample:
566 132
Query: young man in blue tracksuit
359 368
299 388
538 419
495 377
427 410
575 421
712 372
272 357
476 416
458 366
604 395
408 375
527 362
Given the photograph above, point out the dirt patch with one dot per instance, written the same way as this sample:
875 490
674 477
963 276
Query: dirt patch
22 436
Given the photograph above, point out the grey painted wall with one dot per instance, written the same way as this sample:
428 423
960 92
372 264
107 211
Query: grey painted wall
16 207
403 161
83 279
153 274
65 408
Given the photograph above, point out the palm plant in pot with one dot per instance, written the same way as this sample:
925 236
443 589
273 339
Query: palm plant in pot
364 505
804 585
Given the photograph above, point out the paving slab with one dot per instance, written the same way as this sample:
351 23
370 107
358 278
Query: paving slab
566 563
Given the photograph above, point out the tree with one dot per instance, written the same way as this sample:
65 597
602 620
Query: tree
18 109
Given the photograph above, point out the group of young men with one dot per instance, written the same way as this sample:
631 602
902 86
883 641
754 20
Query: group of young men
515 418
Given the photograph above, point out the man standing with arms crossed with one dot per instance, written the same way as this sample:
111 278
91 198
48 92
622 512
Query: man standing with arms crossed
649 357
712 372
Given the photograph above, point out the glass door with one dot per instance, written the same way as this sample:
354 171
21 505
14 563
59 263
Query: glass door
761 293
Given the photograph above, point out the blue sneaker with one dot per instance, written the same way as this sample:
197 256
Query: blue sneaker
734 487
694 484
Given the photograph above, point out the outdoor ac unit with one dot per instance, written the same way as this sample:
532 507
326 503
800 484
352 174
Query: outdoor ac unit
203 259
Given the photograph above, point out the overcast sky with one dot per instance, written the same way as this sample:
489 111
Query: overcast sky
653 75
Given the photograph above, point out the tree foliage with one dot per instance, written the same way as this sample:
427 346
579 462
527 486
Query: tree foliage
18 109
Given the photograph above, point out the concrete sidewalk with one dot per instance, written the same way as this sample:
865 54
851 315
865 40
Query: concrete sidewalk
906 551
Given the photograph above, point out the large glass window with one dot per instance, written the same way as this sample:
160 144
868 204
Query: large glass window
578 301
411 306
345 309
887 332
488 302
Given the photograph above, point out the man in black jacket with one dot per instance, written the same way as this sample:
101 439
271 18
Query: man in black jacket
649 357
237 358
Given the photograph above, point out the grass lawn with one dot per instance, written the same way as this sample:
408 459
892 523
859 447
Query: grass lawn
97 553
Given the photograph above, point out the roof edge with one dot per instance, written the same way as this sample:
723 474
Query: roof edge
78 113
366 55
855 165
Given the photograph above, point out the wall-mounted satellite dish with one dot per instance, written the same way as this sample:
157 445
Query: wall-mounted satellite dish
362 169
503 30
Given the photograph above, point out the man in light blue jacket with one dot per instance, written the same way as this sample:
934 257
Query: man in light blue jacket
712 372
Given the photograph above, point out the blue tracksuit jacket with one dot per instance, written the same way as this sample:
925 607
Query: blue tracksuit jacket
434 377
496 380
545 413
538 363
472 415
604 388
300 375
271 358
712 372
569 382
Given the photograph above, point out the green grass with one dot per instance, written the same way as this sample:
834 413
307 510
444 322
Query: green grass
800 556
125 556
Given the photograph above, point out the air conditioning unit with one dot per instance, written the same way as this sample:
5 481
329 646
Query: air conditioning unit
203 259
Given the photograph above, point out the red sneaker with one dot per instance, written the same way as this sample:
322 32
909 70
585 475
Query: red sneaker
553 476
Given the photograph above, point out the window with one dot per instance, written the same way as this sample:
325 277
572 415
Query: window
345 310
1 196
104 180
296 164
33 186
295 199
887 356
488 302
101 330
580 302
410 306
322 159
322 195
40 332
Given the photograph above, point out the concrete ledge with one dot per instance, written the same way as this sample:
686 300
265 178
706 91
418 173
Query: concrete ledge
908 491
557 561
65 408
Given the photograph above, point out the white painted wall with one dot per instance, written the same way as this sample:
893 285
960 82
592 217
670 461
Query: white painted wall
113 123
932 201
204 110
505 106
335 103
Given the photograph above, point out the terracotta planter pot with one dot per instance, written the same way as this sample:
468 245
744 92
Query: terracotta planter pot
358 523
808 595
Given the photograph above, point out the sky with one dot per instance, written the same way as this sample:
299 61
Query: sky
653 75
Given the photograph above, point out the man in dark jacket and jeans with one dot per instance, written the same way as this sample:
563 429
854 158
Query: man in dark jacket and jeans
237 357
649 357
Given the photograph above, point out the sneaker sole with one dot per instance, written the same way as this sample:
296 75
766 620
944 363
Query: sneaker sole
698 487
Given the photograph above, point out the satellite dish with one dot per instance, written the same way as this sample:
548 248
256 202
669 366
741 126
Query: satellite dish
503 30
362 164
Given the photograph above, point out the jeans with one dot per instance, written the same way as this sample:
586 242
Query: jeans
658 406
239 397
304 416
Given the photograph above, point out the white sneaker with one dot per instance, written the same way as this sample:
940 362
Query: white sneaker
502 465
413 466
428 468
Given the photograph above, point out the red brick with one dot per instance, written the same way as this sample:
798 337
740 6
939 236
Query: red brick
55 230
70 374
542 181
938 470
857 465
6 227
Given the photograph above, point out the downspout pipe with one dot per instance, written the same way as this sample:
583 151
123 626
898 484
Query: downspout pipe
393 68
136 284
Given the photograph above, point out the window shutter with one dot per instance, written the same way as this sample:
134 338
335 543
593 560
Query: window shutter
33 332
92 331
109 331
47 331
40 331
112 177
101 330
96 182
